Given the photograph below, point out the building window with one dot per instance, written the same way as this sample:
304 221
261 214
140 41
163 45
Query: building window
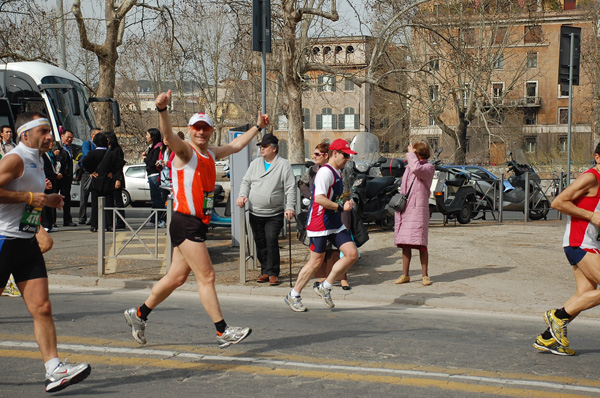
499 35
531 92
307 150
434 143
326 83
306 118
563 115
326 120
282 121
466 94
434 63
530 143
348 85
430 120
562 143
497 92
530 117
499 62
434 93
348 120
283 149
532 59
570 4
468 36
497 116
533 34
563 90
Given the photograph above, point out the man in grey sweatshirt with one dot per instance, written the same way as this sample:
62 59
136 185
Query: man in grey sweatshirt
270 190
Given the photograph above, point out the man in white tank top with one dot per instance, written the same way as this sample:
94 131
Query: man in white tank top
22 198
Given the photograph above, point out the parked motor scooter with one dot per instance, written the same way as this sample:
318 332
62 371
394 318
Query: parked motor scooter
454 194
514 199
376 180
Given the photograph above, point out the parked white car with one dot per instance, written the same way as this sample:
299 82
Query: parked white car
137 190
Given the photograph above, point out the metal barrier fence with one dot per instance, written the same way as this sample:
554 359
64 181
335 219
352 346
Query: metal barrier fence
490 195
135 234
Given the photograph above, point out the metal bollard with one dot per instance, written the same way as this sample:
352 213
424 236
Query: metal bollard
527 189
101 238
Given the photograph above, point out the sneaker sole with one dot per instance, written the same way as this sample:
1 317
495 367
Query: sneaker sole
316 289
548 349
285 300
133 333
225 345
79 377
551 329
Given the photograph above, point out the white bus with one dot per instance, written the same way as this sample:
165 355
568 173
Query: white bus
26 86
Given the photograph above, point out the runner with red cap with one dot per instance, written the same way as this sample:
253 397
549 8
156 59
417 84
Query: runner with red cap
324 225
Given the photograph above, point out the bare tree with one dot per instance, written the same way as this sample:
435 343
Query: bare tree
107 52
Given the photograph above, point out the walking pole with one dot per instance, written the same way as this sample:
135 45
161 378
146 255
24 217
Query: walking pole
290 248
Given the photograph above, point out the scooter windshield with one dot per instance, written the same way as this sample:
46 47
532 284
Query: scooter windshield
366 146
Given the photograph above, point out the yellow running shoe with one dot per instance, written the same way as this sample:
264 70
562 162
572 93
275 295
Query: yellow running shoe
558 327
551 345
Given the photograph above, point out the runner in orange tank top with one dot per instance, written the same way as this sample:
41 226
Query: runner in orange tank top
193 185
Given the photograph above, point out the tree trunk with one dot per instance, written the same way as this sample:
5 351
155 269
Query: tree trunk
460 155
106 88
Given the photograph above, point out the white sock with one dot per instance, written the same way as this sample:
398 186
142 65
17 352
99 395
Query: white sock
51 365
294 293
326 284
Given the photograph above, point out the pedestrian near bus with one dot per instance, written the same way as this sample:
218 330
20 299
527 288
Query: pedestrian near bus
22 182
193 190
325 225
580 202
269 189
150 156
7 142
63 186
84 193
411 228
118 180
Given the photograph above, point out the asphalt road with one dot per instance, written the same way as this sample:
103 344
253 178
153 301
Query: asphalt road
354 350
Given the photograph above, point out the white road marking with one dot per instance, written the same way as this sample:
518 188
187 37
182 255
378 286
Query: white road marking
312 366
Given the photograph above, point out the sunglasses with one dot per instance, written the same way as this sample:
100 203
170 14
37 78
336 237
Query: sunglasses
318 154
346 155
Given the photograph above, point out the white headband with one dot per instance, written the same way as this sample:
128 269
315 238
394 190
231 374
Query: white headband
32 124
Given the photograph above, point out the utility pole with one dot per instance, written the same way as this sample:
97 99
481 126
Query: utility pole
261 40
61 35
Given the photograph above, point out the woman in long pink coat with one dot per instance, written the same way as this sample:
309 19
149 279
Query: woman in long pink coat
411 228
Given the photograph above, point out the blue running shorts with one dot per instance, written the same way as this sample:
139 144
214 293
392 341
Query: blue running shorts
318 244
575 253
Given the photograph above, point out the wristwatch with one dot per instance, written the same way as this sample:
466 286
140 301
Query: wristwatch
258 127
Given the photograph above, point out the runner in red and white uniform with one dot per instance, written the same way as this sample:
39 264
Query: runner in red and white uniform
581 203
193 186
325 225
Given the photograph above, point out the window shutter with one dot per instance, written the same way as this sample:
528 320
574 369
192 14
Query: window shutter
333 79
320 84
333 122
356 122
341 123
319 122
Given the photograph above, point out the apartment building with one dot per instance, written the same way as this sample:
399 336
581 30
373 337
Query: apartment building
520 105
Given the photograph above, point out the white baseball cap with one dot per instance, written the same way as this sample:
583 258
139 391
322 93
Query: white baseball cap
201 117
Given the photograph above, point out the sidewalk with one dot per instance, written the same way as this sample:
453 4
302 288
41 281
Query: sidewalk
513 267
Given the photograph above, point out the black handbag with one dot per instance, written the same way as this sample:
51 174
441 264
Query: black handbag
399 200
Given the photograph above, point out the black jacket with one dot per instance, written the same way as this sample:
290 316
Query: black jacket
103 162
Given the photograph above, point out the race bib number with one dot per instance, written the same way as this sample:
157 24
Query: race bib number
31 220
209 203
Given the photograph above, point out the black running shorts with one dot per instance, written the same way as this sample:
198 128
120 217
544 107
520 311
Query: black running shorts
184 226
21 257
